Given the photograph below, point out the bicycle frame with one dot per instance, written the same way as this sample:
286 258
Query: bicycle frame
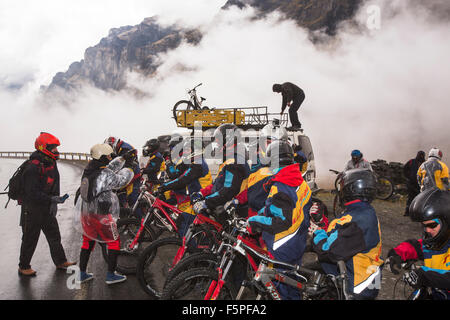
194 99
155 203
265 274
199 220
240 245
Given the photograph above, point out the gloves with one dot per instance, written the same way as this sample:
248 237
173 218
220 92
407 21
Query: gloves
231 204
394 261
252 227
196 196
316 213
199 206
413 278
312 227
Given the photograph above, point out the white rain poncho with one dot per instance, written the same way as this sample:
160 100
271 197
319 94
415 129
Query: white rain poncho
97 219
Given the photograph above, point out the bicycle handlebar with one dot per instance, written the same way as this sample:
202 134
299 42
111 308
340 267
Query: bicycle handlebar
334 171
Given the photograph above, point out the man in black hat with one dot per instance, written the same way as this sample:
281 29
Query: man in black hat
293 97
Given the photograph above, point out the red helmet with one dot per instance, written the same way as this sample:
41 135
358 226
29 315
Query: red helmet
45 143
113 142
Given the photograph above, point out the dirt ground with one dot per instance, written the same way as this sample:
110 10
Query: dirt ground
395 228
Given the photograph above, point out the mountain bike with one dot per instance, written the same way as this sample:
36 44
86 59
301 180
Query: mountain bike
409 293
158 259
216 283
194 103
135 234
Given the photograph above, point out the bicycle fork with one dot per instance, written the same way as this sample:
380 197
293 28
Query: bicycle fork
216 285
132 245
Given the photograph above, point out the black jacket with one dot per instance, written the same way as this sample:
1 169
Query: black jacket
290 92
41 181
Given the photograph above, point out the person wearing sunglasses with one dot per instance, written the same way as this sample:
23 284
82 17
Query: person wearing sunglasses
432 209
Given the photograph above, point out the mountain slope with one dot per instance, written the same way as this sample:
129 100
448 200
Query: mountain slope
136 48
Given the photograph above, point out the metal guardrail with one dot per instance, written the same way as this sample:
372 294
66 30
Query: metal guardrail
69 156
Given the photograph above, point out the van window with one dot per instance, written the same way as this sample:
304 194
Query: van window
304 142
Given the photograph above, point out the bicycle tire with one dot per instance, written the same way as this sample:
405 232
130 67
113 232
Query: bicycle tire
337 208
193 285
127 261
189 106
193 261
154 265
385 188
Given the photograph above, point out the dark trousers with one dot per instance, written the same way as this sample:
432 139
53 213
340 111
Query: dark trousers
413 191
33 221
296 103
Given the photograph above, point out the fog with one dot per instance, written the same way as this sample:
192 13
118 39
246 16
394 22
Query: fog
381 90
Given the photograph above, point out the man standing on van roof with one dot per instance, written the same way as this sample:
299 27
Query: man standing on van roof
293 97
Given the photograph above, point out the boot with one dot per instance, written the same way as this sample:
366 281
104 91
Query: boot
27 272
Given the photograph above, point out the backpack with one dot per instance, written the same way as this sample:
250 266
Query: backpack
87 183
15 185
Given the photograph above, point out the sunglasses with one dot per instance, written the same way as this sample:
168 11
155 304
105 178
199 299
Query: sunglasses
431 225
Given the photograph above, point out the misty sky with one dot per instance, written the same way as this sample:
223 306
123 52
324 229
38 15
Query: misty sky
383 91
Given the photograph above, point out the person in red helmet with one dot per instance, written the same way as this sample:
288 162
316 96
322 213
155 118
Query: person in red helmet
39 204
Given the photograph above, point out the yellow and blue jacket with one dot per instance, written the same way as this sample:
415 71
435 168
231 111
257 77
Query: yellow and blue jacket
433 173
284 219
436 270
231 180
355 238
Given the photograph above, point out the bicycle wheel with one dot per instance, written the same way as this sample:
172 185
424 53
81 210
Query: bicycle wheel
155 263
195 260
337 207
385 188
128 258
183 105
194 284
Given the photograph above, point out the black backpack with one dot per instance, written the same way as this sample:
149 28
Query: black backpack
15 185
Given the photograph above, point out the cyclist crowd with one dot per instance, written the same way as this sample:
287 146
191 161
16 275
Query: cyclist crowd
281 210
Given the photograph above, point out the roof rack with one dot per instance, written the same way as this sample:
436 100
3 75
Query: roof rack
244 117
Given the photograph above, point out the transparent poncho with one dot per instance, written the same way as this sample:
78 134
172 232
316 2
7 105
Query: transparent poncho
97 219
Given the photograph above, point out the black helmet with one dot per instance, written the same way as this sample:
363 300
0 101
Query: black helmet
150 146
227 135
358 184
432 204
174 140
280 153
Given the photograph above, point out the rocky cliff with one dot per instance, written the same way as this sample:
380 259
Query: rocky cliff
135 48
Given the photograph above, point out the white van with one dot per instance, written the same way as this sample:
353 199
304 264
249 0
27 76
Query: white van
295 137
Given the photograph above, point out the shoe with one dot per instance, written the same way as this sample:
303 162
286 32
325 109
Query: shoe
114 278
85 276
293 128
27 272
63 266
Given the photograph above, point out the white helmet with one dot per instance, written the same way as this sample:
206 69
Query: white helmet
99 150
435 152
